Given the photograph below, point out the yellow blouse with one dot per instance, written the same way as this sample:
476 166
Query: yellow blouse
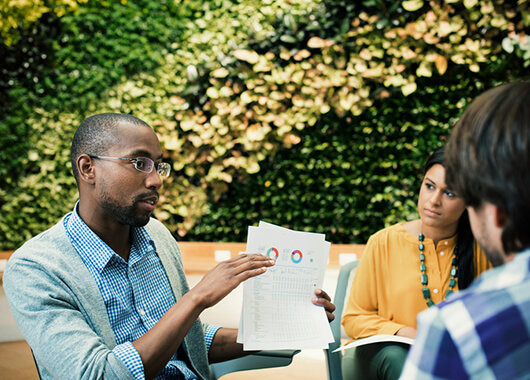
386 292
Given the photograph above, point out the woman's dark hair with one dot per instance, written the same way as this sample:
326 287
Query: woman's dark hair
465 239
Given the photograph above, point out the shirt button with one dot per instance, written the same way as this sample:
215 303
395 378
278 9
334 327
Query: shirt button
442 253
142 313
446 243
435 290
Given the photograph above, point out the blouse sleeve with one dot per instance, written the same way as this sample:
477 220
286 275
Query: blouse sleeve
361 318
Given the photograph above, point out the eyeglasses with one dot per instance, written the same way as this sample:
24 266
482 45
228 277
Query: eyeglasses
142 164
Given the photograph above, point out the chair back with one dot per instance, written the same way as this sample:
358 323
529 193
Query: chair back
259 360
334 359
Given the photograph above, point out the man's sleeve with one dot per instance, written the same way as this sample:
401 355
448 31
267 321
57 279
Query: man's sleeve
433 354
131 358
209 333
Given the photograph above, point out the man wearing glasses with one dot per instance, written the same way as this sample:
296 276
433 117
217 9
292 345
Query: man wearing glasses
103 293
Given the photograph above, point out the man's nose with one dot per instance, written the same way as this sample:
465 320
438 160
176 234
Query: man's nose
153 180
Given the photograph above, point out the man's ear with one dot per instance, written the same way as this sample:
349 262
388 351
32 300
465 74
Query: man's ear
86 169
499 217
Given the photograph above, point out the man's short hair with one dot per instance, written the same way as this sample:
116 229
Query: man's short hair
96 133
488 158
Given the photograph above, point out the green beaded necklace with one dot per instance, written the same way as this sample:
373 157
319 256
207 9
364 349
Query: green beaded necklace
425 280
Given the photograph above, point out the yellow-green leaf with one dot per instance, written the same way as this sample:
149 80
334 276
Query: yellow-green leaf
441 64
424 70
247 55
412 5
470 3
408 89
212 93
318 43
220 73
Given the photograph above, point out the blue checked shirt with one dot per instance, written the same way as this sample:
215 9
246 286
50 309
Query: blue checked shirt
482 332
136 293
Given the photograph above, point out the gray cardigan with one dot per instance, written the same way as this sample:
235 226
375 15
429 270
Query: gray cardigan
59 309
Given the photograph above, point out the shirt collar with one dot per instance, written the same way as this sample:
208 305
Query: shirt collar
95 251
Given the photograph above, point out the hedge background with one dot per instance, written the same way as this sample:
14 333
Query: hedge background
316 115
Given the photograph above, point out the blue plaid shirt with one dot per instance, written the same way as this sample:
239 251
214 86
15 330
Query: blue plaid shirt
482 332
136 293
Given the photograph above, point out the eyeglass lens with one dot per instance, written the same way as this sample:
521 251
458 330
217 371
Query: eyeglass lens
146 165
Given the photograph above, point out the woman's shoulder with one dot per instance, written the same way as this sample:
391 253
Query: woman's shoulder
393 238
383 239
392 231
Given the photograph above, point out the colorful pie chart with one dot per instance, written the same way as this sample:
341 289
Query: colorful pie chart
273 252
296 256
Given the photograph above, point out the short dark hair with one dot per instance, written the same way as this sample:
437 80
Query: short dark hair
488 158
465 240
96 133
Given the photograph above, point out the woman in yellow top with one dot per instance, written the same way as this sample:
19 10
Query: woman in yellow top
406 268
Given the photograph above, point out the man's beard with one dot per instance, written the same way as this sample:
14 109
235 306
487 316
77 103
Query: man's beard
494 256
126 215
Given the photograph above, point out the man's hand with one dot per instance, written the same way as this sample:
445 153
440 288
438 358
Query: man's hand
322 299
227 275
158 345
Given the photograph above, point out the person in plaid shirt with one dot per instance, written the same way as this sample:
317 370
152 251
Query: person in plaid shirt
483 332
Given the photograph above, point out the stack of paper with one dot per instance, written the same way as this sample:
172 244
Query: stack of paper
382 338
277 310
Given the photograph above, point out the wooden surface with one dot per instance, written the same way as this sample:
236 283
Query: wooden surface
200 257
4 255
16 362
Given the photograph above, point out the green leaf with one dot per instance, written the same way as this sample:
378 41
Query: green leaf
412 5
508 44
289 39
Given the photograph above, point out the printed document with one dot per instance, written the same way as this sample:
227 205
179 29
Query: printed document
382 338
277 311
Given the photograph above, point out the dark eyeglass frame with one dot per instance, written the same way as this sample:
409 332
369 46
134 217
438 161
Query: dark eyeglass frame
163 169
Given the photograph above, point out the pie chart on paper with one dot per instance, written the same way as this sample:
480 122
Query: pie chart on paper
296 256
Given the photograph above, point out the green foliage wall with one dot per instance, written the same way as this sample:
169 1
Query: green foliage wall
59 72
350 176
383 84
312 114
